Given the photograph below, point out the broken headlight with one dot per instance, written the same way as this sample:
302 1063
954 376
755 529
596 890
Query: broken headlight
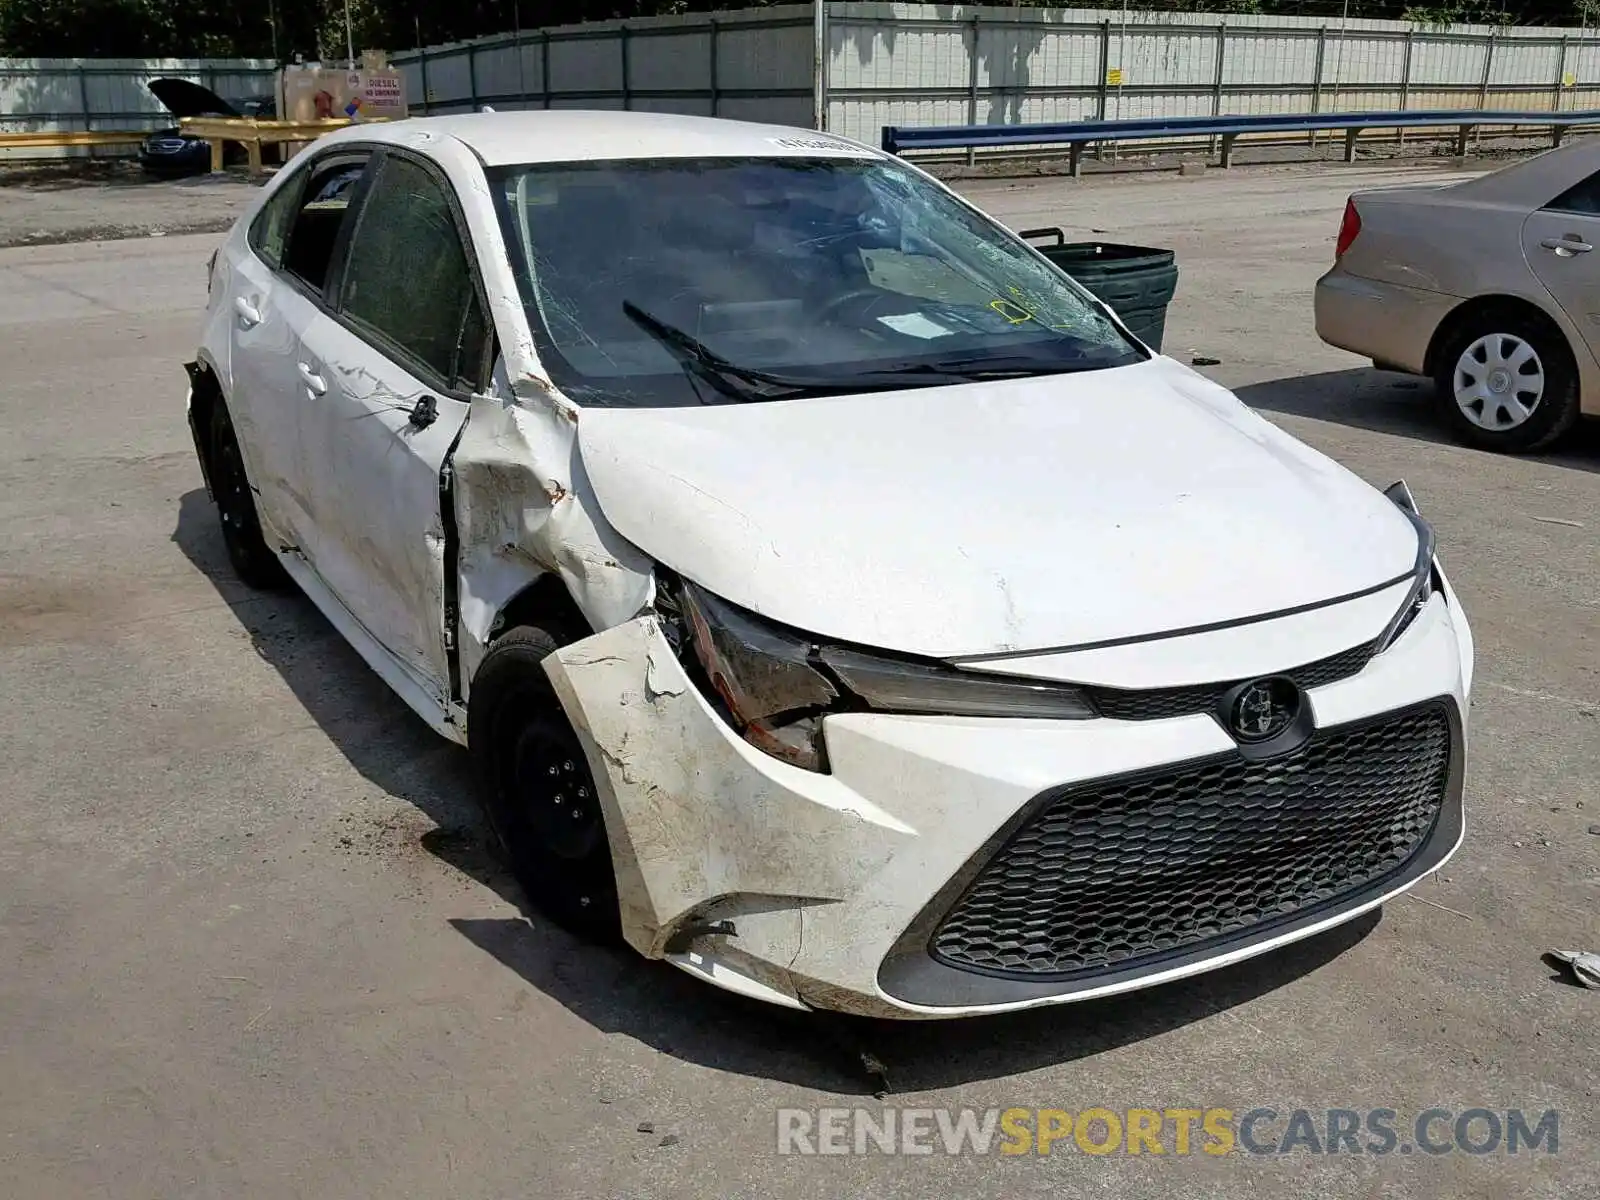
775 685
1425 576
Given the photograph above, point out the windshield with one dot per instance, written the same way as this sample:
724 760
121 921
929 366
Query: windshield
689 281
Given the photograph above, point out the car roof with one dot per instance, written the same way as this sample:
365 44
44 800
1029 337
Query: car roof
587 135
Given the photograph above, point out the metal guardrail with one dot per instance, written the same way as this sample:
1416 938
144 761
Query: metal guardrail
52 138
253 134
1075 135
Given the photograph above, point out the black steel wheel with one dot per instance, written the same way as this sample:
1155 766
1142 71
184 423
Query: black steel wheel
536 786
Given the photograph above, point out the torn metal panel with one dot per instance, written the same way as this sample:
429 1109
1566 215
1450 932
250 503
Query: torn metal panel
523 505
703 827
523 511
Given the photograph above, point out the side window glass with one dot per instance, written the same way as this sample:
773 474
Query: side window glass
407 275
1582 198
269 232
317 221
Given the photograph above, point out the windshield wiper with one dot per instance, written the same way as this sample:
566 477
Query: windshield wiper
1008 366
738 383
748 383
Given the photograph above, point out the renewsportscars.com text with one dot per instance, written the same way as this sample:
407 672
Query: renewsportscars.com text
1261 1130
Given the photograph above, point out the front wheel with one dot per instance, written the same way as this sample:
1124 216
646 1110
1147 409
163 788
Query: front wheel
536 787
1508 382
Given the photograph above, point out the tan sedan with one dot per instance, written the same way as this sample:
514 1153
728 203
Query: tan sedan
1490 286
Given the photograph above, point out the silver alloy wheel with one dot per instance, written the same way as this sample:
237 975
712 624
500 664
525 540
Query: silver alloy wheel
1499 381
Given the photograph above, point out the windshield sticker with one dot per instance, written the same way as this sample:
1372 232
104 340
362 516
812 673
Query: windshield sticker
1011 311
819 143
915 325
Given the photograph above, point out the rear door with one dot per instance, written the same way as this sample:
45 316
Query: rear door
277 291
1562 244
394 361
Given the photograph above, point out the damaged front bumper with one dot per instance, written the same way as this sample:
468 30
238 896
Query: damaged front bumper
195 432
826 890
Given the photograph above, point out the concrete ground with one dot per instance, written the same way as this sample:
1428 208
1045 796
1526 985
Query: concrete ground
43 204
251 945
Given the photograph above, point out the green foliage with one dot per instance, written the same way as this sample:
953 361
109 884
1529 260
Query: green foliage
1444 14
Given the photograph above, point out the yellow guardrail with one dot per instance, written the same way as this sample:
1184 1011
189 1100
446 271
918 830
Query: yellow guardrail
253 134
51 138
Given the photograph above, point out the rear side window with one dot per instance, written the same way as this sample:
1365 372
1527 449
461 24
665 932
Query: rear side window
407 276
1581 198
320 217
269 232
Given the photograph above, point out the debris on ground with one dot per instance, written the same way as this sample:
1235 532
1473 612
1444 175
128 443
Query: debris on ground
1584 966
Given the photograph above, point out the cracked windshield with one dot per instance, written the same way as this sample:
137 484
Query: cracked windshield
680 282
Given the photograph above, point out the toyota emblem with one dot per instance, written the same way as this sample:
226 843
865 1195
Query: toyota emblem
1264 709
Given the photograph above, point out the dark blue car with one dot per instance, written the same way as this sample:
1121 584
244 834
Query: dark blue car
173 152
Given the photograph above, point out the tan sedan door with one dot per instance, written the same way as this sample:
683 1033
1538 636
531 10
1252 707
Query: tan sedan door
1562 244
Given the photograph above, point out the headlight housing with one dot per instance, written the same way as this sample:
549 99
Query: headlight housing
775 684
1425 580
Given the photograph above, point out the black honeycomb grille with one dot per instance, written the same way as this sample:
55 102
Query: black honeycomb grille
1120 870
1153 703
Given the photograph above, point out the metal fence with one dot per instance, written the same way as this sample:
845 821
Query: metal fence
905 64
754 65
38 94
919 64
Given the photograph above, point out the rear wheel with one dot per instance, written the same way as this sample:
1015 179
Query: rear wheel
536 786
1507 381
253 560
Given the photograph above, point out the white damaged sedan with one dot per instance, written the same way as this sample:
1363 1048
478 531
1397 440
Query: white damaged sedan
835 600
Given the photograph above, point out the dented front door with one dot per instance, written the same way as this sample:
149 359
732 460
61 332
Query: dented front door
374 487
393 364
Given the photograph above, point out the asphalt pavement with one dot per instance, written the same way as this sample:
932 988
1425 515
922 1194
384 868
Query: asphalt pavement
251 944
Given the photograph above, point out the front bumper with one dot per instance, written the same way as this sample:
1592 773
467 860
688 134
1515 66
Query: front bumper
822 890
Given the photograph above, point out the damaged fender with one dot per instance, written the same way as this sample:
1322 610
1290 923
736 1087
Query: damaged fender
524 509
704 828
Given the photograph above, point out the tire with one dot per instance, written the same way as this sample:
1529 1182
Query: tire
1507 381
253 561
536 788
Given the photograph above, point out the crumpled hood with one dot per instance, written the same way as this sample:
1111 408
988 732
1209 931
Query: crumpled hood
1016 515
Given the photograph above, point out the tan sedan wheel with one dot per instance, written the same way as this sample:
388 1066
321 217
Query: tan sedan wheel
1507 382
1499 382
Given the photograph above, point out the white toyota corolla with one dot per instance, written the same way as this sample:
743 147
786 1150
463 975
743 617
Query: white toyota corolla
835 600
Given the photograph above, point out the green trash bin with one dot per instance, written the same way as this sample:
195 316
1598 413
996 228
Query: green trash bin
1136 281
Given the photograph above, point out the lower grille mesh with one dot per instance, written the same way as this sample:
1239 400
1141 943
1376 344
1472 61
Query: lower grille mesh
1115 871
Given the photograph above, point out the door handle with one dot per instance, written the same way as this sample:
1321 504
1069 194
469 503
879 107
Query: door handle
1572 244
248 312
315 383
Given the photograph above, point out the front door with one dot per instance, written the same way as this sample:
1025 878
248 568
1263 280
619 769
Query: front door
390 368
